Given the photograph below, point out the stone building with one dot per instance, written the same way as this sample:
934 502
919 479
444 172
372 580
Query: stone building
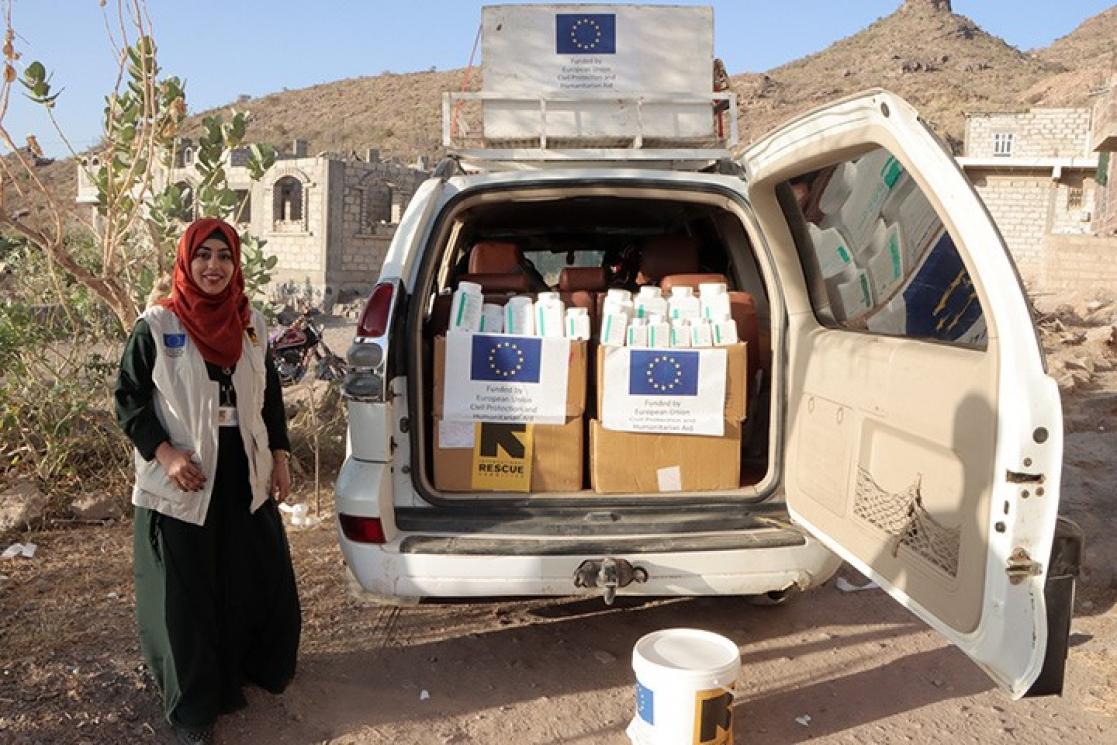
328 218
1104 140
1037 173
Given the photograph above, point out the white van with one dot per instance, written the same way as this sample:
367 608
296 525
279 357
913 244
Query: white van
897 415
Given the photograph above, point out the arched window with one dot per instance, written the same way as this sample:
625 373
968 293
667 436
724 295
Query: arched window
287 200
187 156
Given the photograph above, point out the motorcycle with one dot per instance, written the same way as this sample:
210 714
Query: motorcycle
297 343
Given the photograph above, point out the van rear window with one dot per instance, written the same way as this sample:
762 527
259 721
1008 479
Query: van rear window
880 257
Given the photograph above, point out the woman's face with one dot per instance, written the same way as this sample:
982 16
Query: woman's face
212 266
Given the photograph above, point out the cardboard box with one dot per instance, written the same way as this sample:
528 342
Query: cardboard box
644 463
575 382
736 380
552 461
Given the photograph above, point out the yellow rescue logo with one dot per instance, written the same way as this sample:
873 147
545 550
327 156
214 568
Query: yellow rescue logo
713 717
502 457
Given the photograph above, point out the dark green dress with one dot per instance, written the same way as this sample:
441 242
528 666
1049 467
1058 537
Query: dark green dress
216 604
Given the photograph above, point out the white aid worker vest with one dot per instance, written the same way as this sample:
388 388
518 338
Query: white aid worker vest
186 402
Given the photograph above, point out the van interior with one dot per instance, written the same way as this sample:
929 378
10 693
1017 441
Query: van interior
582 245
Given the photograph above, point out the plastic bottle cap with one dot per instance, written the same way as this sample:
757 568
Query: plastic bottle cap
682 292
650 291
576 311
548 297
618 294
712 288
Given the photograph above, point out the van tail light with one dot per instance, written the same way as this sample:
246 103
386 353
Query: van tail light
368 357
362 529
378 311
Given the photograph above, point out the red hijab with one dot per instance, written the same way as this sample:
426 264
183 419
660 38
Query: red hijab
216 323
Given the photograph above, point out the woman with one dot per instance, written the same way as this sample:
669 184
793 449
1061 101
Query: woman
200 399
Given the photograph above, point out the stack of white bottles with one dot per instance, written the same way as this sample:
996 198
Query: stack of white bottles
683 320
521 315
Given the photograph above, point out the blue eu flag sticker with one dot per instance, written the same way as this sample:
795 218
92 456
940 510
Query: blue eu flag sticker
585 33
645 703
662 372
505 359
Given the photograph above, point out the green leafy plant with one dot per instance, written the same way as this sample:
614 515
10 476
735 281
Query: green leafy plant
142 211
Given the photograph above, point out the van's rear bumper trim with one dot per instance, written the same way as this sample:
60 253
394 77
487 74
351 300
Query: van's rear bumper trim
487 546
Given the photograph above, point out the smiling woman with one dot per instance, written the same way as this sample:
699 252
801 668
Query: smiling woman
200 399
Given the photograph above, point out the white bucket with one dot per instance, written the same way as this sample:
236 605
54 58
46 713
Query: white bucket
685 680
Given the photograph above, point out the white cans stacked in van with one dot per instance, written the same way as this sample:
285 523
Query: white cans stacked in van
682 320
521 315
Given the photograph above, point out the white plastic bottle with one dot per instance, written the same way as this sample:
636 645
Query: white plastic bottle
518 316
700 333
650 301
832 250
714 298
492 318
577 323
638 333
659 331
683 304
618 301
549 311
681 333
465 308
723 331
614 329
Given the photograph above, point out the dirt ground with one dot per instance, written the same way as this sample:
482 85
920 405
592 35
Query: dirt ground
830 666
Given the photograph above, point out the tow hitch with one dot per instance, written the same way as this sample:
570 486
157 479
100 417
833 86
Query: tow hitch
608 574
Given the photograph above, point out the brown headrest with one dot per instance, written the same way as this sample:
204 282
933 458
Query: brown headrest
495 257
499 282
588 278
668 254
690 280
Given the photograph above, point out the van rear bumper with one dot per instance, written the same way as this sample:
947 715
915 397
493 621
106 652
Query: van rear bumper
403 567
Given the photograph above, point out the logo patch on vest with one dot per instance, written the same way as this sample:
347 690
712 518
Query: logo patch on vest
175 344
251 331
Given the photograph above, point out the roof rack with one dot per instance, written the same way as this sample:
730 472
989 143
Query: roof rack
495 130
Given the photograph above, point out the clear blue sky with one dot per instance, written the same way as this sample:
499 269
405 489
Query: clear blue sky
224 48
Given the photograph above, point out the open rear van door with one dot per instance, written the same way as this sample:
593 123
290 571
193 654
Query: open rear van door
924 439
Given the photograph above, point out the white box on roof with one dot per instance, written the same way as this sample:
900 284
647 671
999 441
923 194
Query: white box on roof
591 62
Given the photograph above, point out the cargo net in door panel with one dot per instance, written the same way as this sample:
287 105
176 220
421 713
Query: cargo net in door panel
901 515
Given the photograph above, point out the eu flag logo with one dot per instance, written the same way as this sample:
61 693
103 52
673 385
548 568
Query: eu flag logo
645 703
661 372
585 33
506 359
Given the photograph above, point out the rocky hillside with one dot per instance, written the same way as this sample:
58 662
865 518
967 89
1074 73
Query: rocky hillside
401 114
941 61
1089 55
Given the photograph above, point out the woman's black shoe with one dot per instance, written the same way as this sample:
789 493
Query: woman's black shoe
188 736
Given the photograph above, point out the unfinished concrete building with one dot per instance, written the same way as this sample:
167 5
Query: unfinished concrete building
328 218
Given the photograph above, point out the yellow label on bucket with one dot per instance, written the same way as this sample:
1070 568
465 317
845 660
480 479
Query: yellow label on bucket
713 717
502 457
